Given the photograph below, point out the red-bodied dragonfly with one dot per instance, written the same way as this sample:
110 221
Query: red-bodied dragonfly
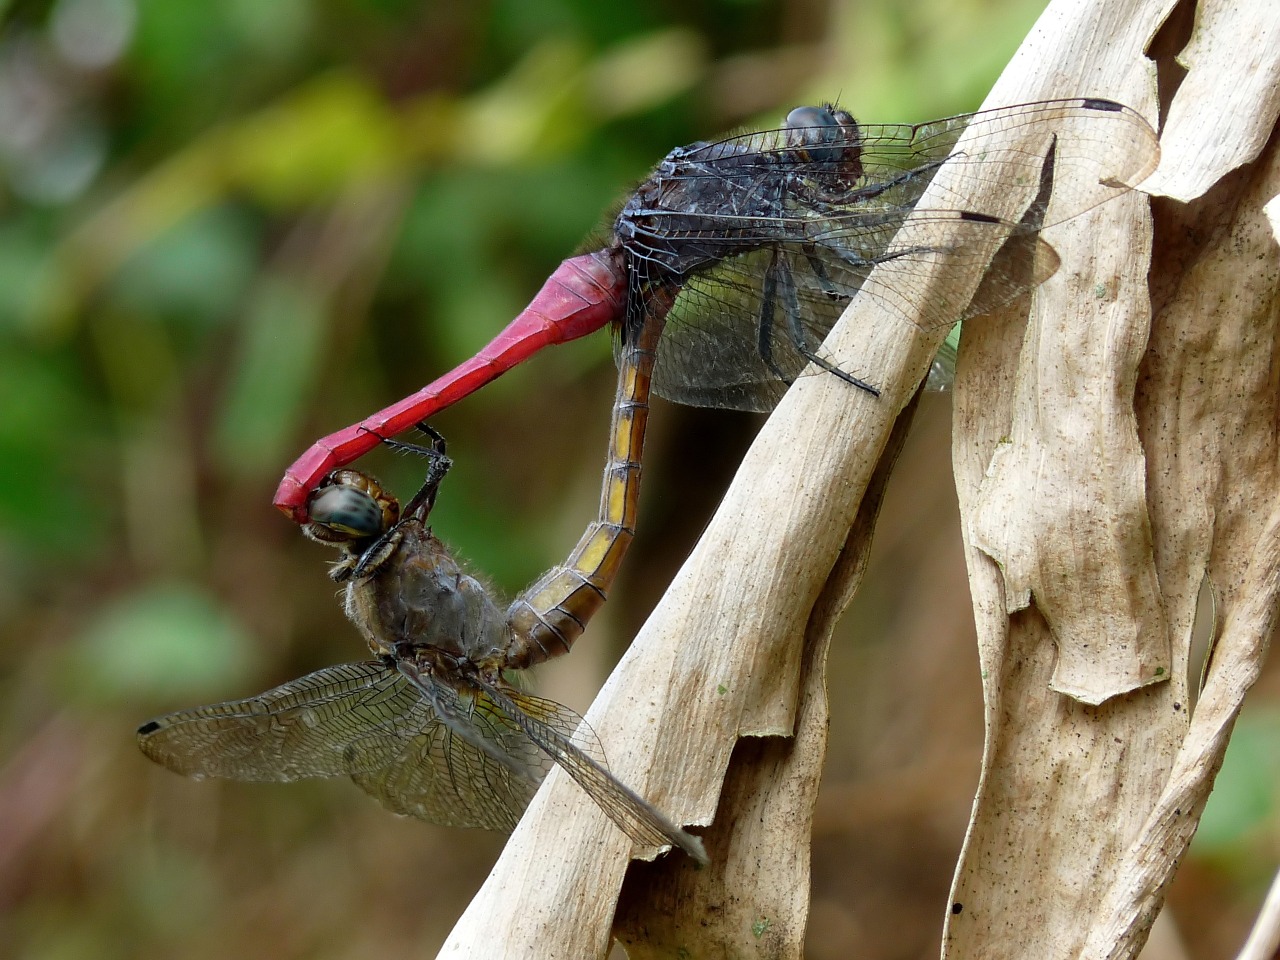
727 267
430 726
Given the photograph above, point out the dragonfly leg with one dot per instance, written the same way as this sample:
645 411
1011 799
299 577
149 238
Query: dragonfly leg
419 505
765 325
431 453
785 286
779 291
438 466
372 558
820 274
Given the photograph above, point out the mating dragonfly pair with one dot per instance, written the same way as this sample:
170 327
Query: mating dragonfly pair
724 272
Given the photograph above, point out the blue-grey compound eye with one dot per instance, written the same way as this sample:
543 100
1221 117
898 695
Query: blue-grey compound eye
815 126
810 117
346 510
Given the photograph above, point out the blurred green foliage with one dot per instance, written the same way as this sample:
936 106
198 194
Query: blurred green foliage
162 640
1239 832
228 228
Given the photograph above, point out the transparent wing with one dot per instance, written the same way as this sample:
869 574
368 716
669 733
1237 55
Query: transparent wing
1104 148
740 332
454 778
562 734
368 721
771 264
340 720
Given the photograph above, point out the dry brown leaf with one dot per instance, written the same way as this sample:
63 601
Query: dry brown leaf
1231 67
1169 470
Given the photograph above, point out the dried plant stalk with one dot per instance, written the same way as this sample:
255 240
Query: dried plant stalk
757 901
1264 938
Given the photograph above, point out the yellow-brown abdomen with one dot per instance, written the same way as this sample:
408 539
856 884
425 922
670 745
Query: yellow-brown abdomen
552 613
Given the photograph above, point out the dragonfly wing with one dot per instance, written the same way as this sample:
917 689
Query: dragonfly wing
562 734
741 331
365 720
446 780
340 720
470 768
835 212
1104 149
732 335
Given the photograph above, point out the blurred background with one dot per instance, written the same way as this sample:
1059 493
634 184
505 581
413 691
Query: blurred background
229 228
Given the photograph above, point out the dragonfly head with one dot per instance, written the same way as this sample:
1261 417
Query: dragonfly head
825 133
350 508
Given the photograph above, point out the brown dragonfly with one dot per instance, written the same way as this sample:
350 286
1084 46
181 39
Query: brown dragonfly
430 726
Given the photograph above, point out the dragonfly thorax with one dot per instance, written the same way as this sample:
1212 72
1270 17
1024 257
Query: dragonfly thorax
421 598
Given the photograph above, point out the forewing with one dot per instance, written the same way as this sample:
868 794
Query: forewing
343 719
1104 148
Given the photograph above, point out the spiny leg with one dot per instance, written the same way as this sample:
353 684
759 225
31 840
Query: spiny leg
438 465
765 322
419 504
789 301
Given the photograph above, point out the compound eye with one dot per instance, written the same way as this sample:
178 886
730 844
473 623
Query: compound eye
825 135
802 117
347 513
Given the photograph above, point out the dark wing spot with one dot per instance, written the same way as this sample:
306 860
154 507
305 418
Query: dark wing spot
1109 106
978 217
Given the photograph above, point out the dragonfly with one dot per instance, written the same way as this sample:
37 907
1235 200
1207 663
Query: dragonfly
726 268
430 726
